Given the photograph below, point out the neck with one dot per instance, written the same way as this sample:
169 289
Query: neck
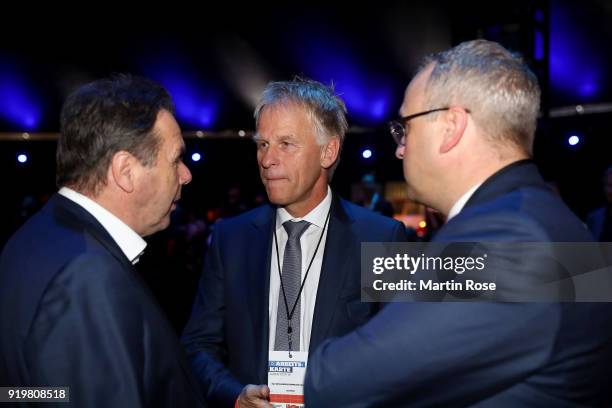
300 209
471 177
115 204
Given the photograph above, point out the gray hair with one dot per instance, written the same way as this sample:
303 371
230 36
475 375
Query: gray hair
326 111
498 88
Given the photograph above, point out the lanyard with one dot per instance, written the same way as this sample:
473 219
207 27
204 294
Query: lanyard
297 299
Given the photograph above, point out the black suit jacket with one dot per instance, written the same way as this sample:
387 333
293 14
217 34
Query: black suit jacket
227 335
480 354
74 312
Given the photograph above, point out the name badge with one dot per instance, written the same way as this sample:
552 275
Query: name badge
286 372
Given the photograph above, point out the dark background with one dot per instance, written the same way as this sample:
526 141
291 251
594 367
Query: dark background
216 62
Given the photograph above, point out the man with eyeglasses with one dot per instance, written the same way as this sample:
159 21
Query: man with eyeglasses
465 138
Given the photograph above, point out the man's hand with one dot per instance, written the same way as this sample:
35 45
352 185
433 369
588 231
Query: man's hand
254 396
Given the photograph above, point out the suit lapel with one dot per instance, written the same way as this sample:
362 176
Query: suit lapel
258 279
71 213
337 248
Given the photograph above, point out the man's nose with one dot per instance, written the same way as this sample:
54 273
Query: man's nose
268 158
399 151
185 174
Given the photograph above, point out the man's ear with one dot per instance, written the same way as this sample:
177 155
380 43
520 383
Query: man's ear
330 152
454 122
122 171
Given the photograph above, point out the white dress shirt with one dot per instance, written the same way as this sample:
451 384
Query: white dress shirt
308 243
459 204
126 238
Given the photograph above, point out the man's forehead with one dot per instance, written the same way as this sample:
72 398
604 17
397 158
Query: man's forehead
284 120
415 91
174 142
181 147
278 134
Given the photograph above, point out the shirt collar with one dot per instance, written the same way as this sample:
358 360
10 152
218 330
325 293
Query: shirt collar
459 204
131 244
317 216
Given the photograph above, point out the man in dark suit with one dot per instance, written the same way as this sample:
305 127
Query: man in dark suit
465 137
73 310
239 314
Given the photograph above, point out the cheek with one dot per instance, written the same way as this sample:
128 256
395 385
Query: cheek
409 153
419 151
171 176
310 161
146 196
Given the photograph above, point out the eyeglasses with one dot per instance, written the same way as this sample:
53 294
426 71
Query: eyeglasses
398 126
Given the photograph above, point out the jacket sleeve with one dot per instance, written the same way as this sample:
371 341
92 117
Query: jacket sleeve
438 354
204 335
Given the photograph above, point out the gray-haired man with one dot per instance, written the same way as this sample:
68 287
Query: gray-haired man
285 276
465 135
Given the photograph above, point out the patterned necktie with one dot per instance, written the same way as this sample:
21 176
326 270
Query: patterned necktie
291 280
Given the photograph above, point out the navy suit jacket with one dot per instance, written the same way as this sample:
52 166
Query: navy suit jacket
480 354
596 221
74 312
227 335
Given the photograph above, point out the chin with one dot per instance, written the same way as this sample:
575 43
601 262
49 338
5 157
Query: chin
277 201
277 197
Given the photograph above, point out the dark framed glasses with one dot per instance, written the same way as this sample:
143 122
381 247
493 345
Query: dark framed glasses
398 127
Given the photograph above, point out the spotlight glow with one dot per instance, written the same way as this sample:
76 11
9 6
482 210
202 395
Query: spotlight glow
573 140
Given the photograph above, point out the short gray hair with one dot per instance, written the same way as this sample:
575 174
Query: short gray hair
326 110
498 88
